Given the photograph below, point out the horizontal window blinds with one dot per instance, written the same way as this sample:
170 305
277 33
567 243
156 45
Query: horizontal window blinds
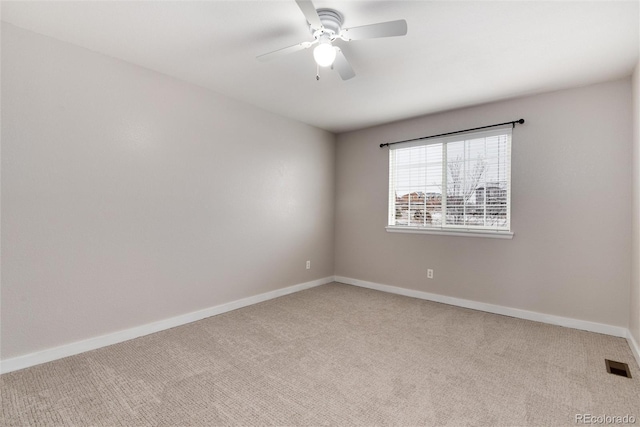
459 182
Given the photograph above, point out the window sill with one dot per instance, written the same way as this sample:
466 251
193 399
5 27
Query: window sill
461 233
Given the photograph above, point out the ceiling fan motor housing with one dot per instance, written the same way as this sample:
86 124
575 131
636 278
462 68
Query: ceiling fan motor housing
331 21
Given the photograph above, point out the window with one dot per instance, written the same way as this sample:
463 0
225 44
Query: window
460 184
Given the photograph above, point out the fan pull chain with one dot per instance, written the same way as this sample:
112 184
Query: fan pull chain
317 72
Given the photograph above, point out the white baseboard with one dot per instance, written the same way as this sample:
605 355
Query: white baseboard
491 308
635 349
36 358
48 355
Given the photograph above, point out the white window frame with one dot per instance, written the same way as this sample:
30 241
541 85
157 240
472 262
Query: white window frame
450 229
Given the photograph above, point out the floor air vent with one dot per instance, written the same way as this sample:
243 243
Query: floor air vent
617 368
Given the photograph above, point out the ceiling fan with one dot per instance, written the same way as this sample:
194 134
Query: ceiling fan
326 27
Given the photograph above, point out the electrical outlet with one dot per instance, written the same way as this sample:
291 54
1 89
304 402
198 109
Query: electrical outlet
308 265
429 273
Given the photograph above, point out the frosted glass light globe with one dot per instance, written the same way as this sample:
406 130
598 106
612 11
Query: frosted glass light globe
324 54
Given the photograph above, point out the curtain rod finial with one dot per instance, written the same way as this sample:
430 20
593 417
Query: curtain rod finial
521 121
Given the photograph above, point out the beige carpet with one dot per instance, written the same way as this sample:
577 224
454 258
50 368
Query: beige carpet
334 355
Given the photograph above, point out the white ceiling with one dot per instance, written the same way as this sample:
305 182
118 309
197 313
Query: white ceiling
455 54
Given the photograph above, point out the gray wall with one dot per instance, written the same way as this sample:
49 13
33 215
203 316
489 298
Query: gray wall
634 314
571 211
130 197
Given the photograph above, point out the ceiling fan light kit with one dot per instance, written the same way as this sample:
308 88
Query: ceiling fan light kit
324 53
326 27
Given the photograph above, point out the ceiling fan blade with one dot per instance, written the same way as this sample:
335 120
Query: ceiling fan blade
342 66
284 51
372 31
309 11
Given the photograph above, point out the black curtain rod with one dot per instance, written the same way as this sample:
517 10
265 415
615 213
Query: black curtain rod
513 124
